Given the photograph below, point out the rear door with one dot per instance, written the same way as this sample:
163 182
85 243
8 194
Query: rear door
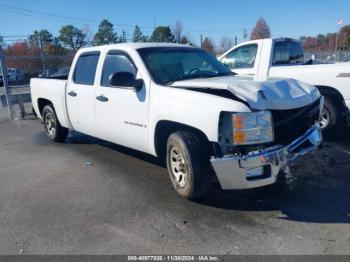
81 93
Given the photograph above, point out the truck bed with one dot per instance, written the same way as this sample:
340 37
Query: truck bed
52 90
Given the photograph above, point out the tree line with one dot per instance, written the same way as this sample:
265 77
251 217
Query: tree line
328 42
71 38
42 50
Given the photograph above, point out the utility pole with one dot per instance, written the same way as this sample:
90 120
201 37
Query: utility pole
245 35
201 41
235 40
6 84
123 33
339 23
123 36
41 52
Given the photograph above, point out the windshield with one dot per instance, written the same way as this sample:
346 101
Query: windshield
169 64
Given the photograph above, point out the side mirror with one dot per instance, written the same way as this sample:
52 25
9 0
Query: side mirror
125 80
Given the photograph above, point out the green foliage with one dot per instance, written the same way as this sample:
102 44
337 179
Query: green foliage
137 36
72 37
105 34
40 38
162 34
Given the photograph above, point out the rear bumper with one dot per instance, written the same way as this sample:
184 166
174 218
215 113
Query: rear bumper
262 168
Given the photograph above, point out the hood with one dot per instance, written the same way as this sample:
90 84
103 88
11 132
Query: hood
274 93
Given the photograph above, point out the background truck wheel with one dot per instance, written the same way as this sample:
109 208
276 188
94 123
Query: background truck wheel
330 116
53 128
188 165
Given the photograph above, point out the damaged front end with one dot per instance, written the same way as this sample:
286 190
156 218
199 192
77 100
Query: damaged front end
295 133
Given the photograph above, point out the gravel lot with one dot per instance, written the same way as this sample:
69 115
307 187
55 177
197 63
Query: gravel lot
53 202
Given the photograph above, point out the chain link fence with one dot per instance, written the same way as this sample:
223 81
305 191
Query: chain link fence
14 84
328 57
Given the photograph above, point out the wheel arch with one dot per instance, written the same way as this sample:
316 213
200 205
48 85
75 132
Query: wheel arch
164 128
42 102
333 92
339 99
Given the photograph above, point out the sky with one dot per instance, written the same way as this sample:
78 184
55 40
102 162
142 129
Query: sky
287 18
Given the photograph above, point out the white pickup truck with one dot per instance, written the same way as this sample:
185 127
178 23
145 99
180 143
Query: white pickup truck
182 105
284 57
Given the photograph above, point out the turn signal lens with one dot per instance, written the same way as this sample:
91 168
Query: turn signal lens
239 137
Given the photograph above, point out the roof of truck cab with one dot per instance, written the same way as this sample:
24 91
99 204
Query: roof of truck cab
133 46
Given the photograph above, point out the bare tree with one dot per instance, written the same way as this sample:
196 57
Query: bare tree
177 31
208 45
226 43
261 30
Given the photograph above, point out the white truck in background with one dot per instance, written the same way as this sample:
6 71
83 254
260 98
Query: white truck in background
284 57
182 105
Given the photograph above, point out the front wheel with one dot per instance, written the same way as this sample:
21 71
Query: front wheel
188 165
53 128
330 116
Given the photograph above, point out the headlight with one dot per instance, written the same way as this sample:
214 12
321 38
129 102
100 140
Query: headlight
252 128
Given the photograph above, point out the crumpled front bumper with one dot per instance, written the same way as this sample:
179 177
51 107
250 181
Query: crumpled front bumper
262 168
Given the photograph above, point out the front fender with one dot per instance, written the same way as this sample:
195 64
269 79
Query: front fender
198 110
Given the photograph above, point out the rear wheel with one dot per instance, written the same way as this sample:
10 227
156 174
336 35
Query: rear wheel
188 165
53 128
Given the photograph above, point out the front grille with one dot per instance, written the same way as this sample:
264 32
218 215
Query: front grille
293 123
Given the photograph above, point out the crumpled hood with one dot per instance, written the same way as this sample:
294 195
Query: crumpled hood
274 93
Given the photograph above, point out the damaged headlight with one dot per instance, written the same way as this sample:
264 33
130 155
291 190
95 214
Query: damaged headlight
252 128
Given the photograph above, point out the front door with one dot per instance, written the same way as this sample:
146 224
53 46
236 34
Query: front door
121 113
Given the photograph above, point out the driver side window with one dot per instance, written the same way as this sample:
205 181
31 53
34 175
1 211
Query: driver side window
116 62
241 57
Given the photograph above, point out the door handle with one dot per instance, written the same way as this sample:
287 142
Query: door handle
102 98
72 93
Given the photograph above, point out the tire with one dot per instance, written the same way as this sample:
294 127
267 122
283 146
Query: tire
330 116
53 128
188 165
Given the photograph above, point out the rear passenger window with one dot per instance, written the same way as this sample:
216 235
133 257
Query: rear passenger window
287 53
85 68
